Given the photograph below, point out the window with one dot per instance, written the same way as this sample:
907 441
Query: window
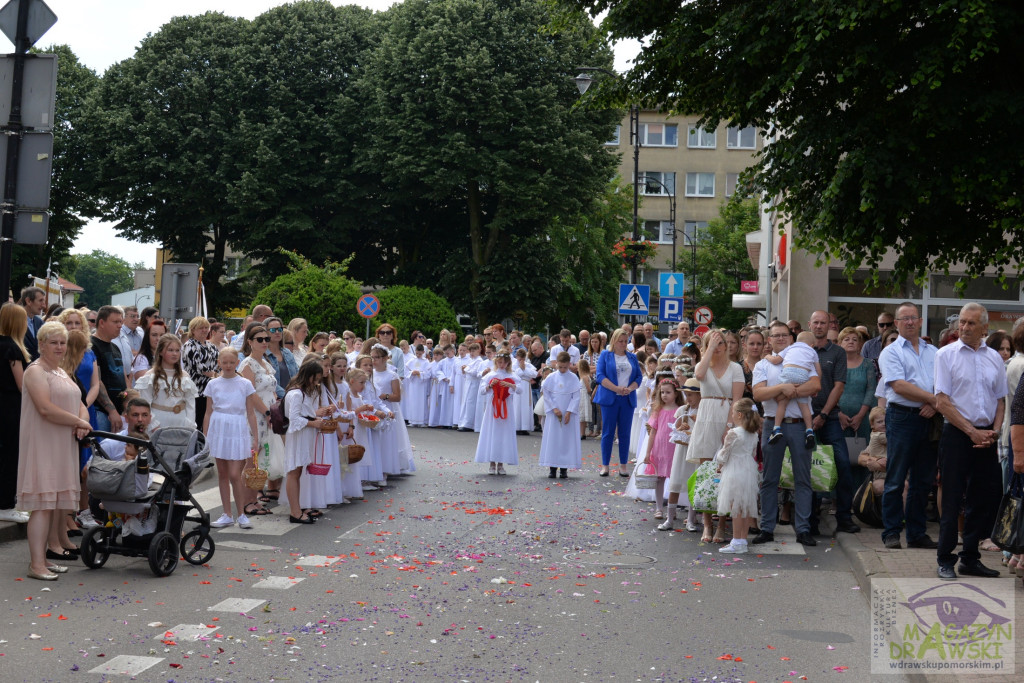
658 231
615 138
659 135
741 138
655 183
695 231
698 137
700 184
649 276
730 183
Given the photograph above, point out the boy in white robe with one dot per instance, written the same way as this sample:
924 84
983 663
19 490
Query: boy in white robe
458 384
524 372
470 388
560 443
416 388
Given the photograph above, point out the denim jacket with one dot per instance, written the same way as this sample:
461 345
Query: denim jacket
289 359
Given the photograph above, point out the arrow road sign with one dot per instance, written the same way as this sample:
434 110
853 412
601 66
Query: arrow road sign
670 284
702 315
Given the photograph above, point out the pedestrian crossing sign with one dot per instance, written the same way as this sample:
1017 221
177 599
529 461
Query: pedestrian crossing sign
634 299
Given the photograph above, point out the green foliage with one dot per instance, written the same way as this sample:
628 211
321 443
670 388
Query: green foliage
70 200
101 275
412 308
889 116
324 296
722 260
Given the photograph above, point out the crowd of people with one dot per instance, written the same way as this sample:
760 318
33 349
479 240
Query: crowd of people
893 408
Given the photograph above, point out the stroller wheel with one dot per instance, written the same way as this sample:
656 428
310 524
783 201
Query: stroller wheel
95 547
163 553
197 546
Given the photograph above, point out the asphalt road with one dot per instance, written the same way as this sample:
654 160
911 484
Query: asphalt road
449 575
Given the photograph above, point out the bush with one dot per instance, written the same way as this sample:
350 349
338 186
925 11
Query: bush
412 308
324 297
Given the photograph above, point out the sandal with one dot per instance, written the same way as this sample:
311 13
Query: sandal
301 520
255 510
659 514
266 496
315 514
705 539
989 546
718 540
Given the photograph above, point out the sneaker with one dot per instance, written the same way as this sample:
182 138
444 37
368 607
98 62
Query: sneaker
809 441
223 521
892 542
735 547
776 436
243 522
86 519
13 515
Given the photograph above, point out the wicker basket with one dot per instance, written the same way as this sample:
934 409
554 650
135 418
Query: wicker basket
644 481
329 426
355 453
254 477
318 469
371 424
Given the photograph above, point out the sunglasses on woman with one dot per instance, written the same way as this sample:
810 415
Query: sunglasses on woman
275 330
261 340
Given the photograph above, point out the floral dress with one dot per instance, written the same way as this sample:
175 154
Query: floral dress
271 445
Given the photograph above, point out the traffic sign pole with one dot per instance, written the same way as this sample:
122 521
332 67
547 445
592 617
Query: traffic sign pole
21 46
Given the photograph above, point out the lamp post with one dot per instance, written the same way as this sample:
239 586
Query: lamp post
671 209
583 81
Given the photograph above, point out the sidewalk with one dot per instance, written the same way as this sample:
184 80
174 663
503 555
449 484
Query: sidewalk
11 531
870 559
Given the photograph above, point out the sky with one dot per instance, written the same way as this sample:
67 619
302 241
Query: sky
103 32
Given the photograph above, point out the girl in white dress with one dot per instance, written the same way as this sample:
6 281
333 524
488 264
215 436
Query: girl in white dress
348 474
470 388
560 442
737 493
363 401
231 433
270 446
497 444
304 421
525 373
586 414
396 449
441 390
643 399
418 383
682 468
168 388
483 370
381 409
458 383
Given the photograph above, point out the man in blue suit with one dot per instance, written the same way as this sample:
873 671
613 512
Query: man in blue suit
33 300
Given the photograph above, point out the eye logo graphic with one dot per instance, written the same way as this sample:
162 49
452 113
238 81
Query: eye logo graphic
965 613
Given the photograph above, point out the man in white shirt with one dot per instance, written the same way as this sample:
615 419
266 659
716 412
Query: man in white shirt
970 391
767 388
565 337
675 347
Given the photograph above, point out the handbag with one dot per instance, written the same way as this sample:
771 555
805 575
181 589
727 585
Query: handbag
254 477
855 445
824 475
278 417
702 488
1008 531
321 468
867 505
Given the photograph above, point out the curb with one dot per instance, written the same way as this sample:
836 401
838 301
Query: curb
863 560
13 531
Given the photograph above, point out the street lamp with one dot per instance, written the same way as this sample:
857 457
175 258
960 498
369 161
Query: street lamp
583 81
671 209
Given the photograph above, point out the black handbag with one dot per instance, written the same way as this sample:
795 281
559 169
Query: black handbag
867 505
1008 531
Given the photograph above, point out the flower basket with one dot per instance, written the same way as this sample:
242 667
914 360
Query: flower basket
634 253
369 421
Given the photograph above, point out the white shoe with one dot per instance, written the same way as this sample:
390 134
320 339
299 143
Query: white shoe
692 527
223 521
86 519
735 547
131 527
13 515
667 525
370 487
243 522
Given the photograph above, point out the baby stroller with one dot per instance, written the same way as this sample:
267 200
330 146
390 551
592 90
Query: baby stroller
174 455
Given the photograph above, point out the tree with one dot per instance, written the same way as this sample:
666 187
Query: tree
412 308
162 129
722 260
70 201
323 295
887 118
101 275
473 131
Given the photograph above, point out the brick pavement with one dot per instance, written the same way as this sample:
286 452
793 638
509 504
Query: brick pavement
871 559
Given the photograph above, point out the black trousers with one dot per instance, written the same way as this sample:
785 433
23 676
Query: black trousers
970 476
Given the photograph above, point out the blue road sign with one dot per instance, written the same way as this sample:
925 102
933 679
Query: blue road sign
368 306
670 309
634 299
670 284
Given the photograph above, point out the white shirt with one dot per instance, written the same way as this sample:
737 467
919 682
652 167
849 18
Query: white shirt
768 373
574 354
974 380
623 369
800 355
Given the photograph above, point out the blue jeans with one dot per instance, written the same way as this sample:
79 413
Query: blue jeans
618 414
102 421
831 434
911 454
793 434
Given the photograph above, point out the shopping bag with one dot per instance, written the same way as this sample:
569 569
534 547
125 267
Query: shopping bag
1008 532
823 470
867 505
702 488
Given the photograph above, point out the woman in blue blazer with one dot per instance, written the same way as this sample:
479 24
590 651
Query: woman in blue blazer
618 376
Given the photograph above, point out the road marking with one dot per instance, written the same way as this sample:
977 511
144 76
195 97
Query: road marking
789 547
277 582
242 605
262 526
126 665
316 561
239 545
186 632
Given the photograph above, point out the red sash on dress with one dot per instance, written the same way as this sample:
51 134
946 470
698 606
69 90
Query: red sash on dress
501 393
